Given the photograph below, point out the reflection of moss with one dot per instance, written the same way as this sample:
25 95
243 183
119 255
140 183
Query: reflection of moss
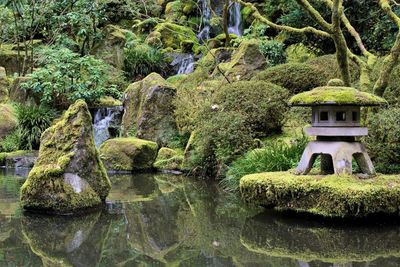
336 196
275 236
66 241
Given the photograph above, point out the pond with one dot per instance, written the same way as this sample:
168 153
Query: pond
169 220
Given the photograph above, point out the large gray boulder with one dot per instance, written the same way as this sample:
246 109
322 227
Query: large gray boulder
68 176
149 110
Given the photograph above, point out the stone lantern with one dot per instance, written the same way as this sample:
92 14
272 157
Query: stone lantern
336 112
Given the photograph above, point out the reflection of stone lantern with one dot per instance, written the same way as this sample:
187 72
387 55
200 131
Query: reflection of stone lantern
336 124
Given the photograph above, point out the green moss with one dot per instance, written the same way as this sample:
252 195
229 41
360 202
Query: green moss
172 35
8 122
169 159
277 235
67 150
107 101
331 196
335 95
128 154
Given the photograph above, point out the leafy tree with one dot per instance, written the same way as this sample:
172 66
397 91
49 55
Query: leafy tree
66 77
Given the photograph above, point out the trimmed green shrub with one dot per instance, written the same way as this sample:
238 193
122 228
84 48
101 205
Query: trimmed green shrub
262 104
275 156
383 140
11 142
300 77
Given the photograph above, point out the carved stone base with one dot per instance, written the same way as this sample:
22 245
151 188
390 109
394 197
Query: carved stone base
341 154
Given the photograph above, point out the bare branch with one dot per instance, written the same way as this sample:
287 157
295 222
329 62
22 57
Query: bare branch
315 15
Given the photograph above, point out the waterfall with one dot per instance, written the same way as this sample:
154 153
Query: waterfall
204 33
186 65
182 63
235 19
106 123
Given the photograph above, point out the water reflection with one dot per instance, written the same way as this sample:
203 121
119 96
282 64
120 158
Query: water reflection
167 220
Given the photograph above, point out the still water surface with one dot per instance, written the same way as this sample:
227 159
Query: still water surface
167 220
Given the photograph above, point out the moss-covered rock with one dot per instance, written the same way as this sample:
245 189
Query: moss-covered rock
149 110
9 121
18 159
173 35
106 102
246 61
331 196
128 154
68 176
301 77
169 159
4 84
336 95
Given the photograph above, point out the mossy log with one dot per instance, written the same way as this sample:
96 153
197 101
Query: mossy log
329 196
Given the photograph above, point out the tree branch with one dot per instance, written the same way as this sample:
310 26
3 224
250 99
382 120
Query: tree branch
257 15
315 14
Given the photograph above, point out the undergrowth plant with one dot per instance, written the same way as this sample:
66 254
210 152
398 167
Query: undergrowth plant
274 156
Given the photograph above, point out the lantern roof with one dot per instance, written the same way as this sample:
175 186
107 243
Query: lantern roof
336 94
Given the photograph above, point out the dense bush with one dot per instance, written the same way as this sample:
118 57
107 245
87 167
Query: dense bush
142 59
273 51
32 121
383 141
226 128
64 77
262 104
275 156
300 77
11 142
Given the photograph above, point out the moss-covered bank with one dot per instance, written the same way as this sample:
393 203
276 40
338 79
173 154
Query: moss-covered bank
330 196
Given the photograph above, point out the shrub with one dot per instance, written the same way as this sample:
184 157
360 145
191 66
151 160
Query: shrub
273 51
300 77
383 141
32 121
275 156
226 128
142 59
65 77
262 105
11 142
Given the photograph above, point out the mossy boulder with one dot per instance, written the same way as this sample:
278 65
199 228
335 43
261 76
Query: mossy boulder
173 35
330 196
68 176
9 121
18 159
128 154
106 102
169 159
246 61
149 110
301 77
4 84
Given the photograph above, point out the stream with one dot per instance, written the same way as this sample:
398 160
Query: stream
168 220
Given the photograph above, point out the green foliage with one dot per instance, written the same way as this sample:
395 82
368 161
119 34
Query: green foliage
274 156
32 121
142 59
64 77
11 142
274 52
264 118
383 141
226 129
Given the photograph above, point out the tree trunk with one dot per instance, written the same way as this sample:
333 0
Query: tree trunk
225 18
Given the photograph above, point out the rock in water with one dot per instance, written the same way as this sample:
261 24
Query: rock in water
68 176
149 110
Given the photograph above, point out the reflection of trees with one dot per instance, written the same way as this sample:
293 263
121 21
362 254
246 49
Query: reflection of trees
282 236
67 241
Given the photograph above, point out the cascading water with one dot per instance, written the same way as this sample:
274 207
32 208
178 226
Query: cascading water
235 19
106 123
204 33
186 65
